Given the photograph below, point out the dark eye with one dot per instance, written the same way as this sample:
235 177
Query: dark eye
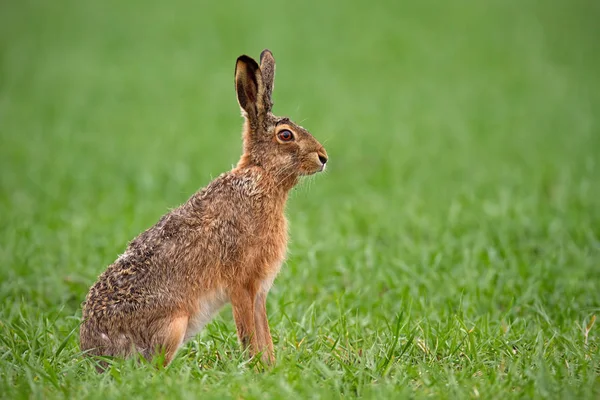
285 135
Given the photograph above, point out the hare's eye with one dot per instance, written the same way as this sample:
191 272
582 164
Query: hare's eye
285 135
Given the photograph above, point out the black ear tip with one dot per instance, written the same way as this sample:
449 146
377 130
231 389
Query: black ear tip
247 61
264 53
245 58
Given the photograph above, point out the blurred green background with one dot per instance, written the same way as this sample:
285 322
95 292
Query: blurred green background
451 250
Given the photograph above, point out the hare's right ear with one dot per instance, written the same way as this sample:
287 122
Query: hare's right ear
249 87
267 66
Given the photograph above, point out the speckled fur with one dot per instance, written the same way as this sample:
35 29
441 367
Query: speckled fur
225 244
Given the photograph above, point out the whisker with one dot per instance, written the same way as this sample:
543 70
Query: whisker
284 170
288 175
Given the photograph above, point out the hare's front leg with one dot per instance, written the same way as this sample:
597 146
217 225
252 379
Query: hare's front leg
263 334
250 314
242 302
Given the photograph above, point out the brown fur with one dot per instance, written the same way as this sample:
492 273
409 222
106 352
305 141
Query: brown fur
226 243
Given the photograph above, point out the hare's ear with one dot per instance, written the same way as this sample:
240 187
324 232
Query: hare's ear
267 66
249 86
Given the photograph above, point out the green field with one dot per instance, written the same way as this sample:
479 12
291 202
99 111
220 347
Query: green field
452 250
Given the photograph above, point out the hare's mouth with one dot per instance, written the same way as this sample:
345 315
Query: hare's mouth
312 169
317 163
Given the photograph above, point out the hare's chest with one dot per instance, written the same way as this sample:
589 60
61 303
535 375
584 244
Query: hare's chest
278 238
270 249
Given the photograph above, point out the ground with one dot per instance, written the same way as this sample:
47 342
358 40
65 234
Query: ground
451 250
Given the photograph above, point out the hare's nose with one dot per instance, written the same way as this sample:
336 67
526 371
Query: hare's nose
322 158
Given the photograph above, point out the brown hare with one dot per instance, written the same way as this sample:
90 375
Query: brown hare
225 244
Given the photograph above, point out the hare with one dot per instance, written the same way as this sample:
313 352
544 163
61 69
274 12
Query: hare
225 244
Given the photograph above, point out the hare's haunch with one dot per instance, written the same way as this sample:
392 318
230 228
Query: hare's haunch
225 244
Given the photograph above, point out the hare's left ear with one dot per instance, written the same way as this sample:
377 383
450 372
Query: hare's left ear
267 67
248 87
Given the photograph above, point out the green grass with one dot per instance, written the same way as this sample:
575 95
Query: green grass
451 251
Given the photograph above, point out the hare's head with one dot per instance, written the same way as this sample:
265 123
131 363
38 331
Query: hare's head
276 144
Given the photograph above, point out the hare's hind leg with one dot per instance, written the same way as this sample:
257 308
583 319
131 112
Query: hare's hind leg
174 337
167 339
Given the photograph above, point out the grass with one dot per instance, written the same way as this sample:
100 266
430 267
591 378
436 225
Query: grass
451 251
